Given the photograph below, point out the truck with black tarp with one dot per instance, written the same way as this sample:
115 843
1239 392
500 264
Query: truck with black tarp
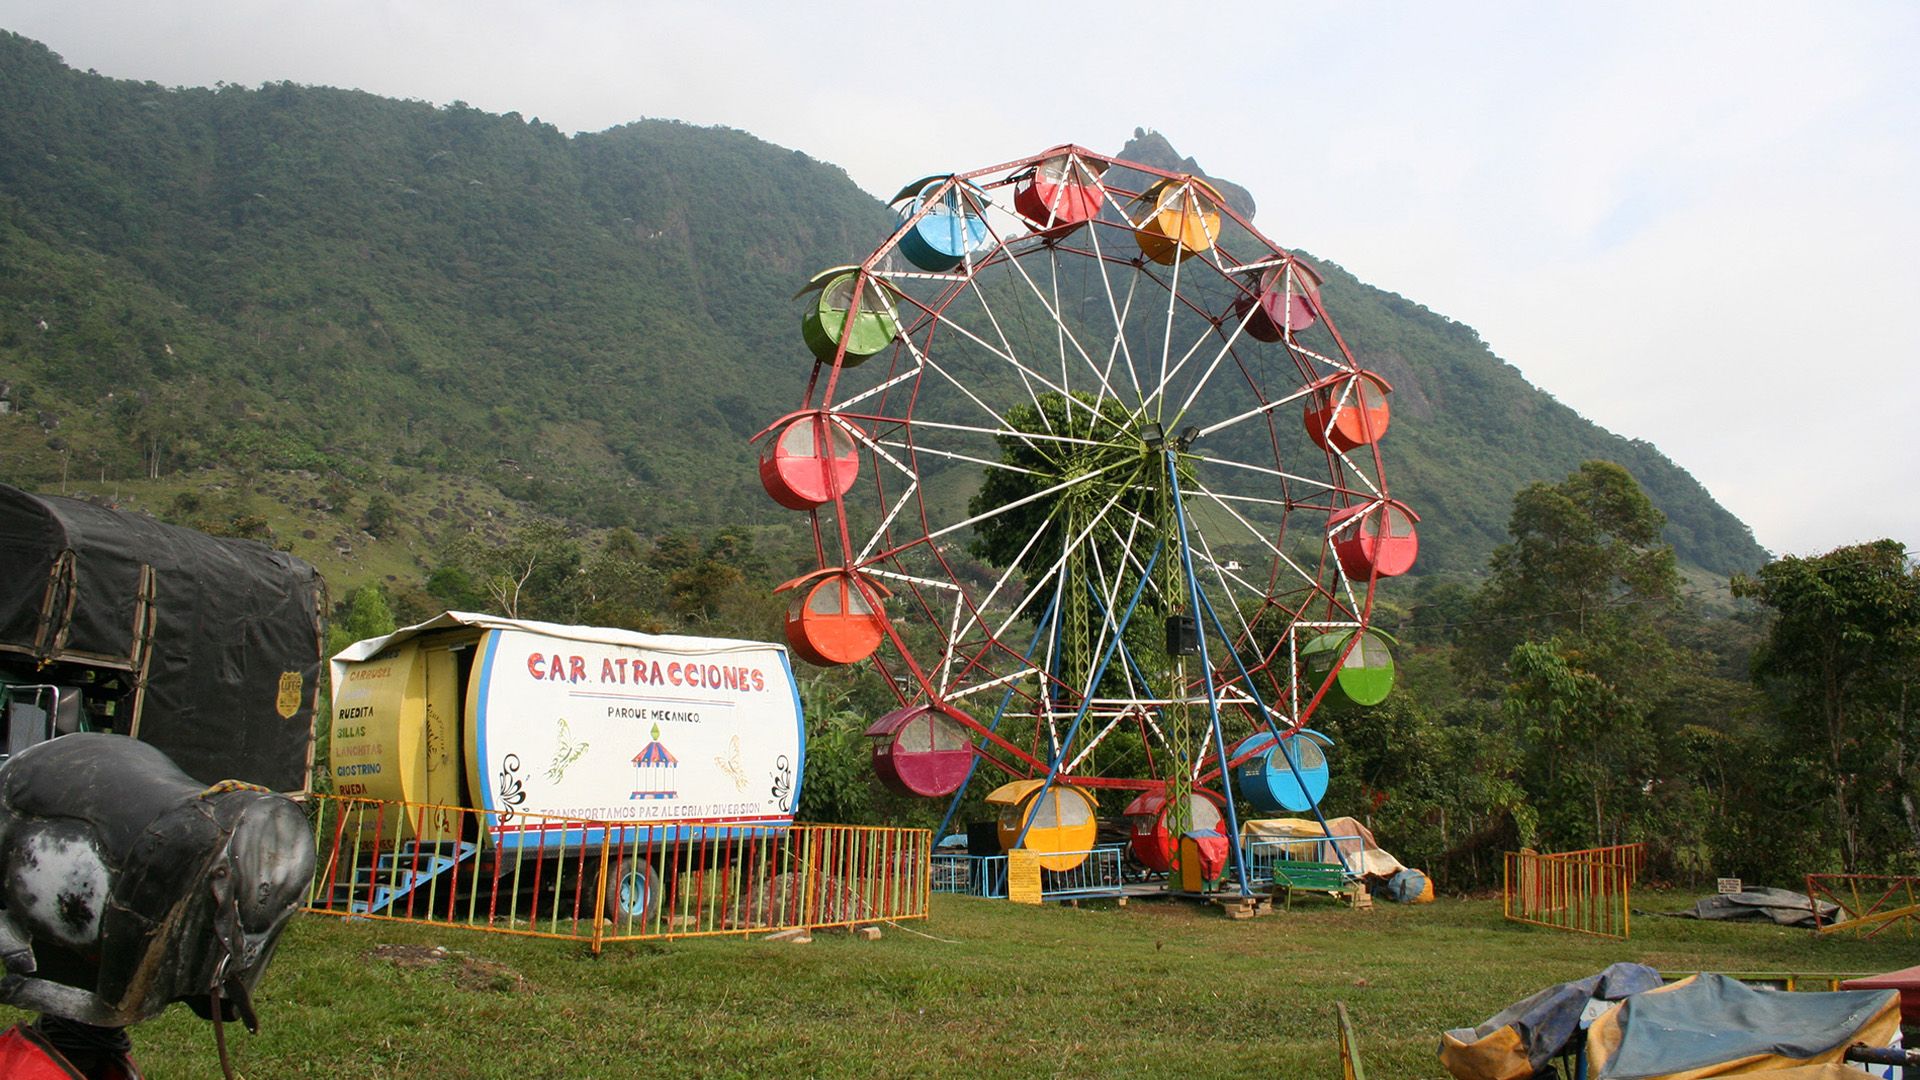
205 647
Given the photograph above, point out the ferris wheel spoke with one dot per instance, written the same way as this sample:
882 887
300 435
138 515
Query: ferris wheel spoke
911 371
1166 338
985 463
1337 365
1060 325
1066 335
1063 332
1029 437
878 447
1052 572
1259 534
1120 315
1109 589
1004 426
1027 376
1256 500
884 528
1259 410
1226 350
1359 474
1167 375
1292 478
1223 577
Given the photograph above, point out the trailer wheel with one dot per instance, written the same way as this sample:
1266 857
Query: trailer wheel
633 894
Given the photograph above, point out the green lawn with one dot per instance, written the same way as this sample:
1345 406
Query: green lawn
1158 988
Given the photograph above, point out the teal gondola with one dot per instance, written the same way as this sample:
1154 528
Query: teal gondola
1267 781
953 227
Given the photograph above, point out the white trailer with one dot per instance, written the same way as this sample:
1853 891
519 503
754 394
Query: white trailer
542 737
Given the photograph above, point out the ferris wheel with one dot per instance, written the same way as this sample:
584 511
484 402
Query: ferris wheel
1093 478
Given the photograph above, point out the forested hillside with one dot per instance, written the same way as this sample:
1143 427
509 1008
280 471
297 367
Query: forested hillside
325 283
326 280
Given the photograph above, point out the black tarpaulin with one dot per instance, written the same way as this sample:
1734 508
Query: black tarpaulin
232 670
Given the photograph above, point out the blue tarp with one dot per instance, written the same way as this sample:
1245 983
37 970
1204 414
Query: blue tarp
1712 1020
1518 1041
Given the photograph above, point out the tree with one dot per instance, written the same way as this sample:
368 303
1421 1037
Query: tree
1585 559
533 575
368 615
1571 632
380 514
1840 659
1587 746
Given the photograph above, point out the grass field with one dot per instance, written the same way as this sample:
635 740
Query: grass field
982 988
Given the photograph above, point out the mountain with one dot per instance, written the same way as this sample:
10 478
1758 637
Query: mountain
326 294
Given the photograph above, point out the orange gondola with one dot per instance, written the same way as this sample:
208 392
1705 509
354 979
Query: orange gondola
1182 219
834 617
1349 412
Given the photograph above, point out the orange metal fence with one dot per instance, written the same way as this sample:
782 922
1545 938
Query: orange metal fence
1869 903
529 874
1584 891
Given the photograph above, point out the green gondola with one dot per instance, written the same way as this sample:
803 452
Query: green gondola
1366 677
825 321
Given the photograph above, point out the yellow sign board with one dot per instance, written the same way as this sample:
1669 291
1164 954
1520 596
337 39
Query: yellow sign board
1023 876
288 702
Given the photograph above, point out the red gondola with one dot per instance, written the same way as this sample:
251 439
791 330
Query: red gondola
810 460
1063 194
1152 841
1382 543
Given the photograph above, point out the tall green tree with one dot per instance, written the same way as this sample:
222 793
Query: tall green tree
1841 658
367 615
1570 632
534 574
1585 560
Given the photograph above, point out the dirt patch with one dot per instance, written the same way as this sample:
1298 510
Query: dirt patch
467 972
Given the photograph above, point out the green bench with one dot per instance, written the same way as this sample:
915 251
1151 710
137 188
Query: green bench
1290 874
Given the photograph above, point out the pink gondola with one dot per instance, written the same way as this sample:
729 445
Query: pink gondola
921 750
809 461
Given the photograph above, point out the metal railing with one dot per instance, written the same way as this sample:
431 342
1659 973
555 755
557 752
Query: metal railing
1260 855
1869 903
533 875
1585 891
1101 874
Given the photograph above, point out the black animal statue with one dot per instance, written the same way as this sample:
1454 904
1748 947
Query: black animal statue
125 885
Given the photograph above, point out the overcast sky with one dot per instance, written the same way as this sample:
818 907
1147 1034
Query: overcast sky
1694 223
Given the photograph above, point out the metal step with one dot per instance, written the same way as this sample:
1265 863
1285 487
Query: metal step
397 874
